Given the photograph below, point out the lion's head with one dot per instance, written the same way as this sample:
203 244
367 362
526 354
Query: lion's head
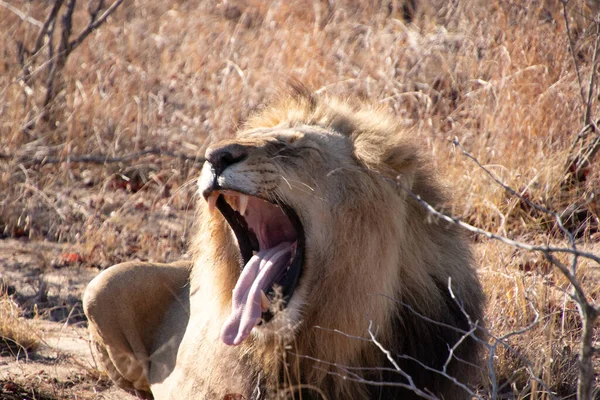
307 228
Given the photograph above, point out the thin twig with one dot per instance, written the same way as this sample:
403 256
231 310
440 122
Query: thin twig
569 273
51 17
572 50
349 375
489 235
94 24
520 196
474 326
63 52
388 355
21 14
98 158
588 109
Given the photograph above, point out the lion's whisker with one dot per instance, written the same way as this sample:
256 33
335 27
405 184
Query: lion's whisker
302 183
286 181
293 186
184 185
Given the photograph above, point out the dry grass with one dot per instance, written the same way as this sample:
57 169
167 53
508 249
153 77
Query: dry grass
16 335
497 75
522 288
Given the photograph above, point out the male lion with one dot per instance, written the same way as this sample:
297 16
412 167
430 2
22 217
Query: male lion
308 243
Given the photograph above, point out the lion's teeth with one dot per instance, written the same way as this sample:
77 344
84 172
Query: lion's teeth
232 201
212 201
243 203
264 302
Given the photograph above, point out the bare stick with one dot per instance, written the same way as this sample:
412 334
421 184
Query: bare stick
572 50
64 50
57 57
514 193
474 326
588 109
388 355
51 17
585 382
21 14
98 158
505 240
94 24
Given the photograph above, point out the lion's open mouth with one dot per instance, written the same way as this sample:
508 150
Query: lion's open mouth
271 242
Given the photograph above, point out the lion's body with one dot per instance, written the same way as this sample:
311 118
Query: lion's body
373 258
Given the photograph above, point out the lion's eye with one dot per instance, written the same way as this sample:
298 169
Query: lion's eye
275 146
292 146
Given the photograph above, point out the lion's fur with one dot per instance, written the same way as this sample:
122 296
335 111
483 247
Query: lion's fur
373 256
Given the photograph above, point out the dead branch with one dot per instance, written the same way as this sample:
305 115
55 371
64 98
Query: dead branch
492 347
44 31
441 372
520 245
97 158
578 163
572 50
348 373
513 192
584 148
20 14
352 373
55 60
588 105
94 23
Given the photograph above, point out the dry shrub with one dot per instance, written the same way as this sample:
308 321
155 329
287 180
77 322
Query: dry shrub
10 390
17 337
525 290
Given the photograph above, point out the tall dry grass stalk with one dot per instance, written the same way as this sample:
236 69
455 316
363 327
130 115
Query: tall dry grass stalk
17 337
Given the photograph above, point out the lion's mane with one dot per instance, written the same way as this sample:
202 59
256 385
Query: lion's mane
378 260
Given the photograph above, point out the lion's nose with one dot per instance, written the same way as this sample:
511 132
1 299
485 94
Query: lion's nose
221 157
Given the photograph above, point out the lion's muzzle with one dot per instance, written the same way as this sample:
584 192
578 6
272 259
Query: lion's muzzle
270 238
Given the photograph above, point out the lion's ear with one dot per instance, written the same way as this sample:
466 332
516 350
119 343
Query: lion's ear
397 161
402 161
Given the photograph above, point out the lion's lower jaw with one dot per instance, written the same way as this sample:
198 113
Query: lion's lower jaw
286 322
279 330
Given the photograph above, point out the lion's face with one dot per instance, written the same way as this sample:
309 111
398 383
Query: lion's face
280 190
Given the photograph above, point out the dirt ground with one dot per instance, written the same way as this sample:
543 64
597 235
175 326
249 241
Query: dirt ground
50 293
100 223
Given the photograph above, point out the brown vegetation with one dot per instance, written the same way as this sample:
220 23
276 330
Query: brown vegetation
16 335
496 75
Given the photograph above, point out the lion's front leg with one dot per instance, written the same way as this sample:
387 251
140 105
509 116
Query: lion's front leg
125 305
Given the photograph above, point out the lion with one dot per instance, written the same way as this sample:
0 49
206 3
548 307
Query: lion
315 272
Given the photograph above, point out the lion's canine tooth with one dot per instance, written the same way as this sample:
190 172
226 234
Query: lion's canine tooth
243 203
264 302
212 201
232 201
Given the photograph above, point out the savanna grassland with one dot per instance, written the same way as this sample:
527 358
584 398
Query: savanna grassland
99 152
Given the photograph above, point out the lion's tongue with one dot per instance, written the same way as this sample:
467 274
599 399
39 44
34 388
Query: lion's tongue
257 275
